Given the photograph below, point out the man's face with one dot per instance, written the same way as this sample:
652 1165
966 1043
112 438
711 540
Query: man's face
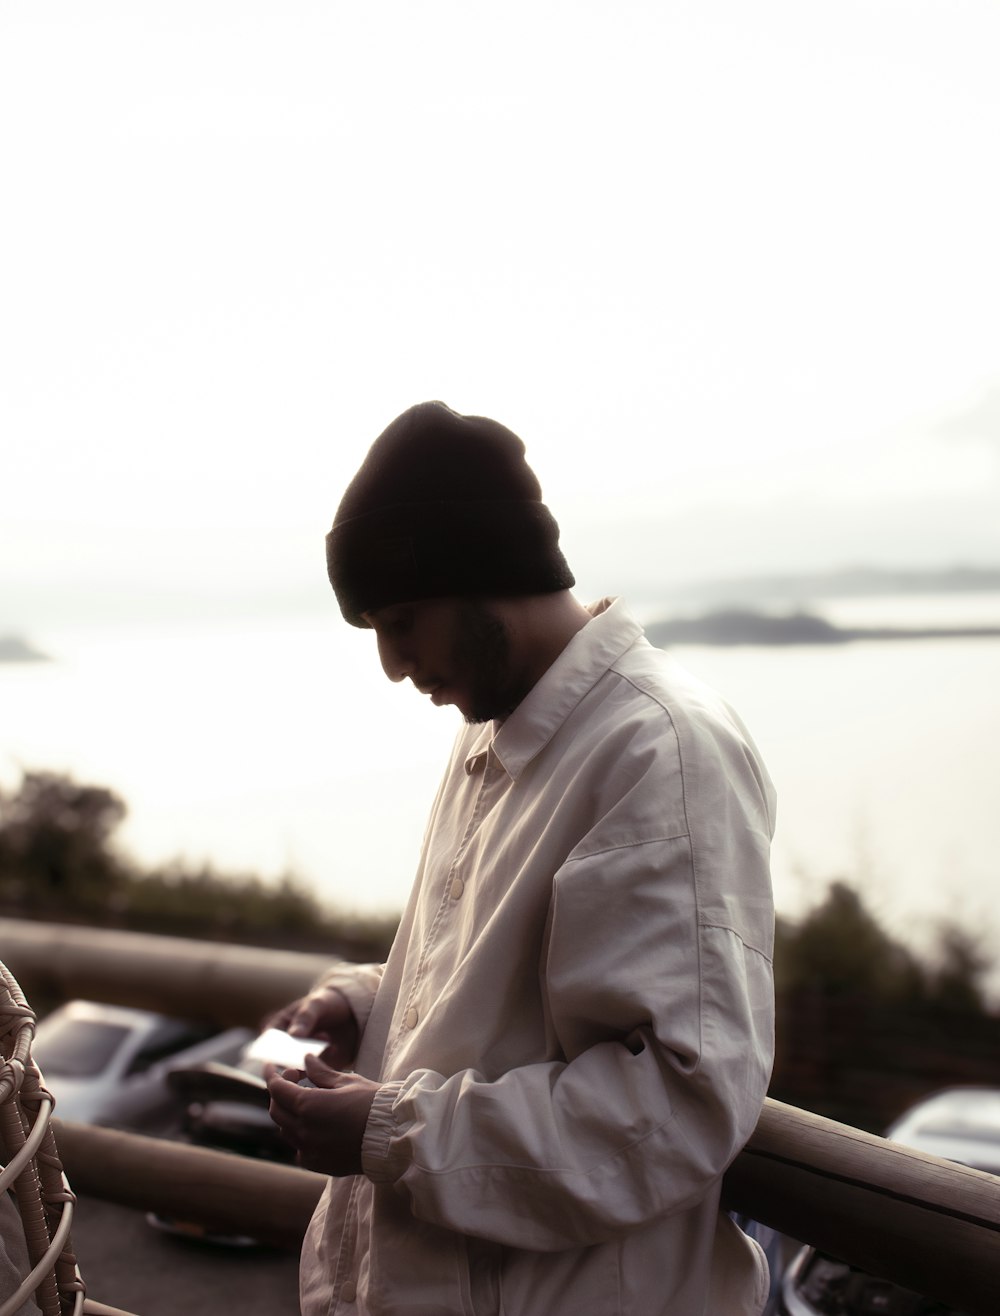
458 651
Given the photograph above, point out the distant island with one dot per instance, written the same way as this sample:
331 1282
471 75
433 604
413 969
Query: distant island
745 626
13 649
841 582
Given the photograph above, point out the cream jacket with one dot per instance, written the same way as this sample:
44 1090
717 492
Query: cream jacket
573 1032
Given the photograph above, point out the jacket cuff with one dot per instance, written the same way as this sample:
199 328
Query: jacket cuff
377 1159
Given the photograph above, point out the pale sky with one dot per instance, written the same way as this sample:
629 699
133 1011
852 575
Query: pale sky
731 270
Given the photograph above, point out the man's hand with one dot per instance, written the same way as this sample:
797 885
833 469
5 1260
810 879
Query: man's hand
324 1014
326 1123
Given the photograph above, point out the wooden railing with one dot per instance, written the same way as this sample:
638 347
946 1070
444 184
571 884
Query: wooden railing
227 985
927 1224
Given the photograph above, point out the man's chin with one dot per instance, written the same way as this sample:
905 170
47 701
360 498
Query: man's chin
498 710
475 711
475 719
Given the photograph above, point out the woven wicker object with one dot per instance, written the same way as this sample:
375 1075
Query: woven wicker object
32 1169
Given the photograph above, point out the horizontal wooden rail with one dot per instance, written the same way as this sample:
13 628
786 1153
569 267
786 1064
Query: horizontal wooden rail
922 1222
224 984
927 1224
227 1193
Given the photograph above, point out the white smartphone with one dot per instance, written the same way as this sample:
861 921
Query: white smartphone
276 1047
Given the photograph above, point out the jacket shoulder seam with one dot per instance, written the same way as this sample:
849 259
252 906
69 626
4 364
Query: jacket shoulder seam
626 845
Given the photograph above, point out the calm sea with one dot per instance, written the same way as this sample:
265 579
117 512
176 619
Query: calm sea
278 746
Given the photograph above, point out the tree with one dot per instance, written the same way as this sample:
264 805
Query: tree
840 949
55 842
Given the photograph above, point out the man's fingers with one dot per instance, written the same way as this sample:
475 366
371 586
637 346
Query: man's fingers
285 1094
303 1021
280 1019
322 1074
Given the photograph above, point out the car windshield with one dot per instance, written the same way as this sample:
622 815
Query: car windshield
77 1048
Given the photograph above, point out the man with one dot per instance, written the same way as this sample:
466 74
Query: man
572 1036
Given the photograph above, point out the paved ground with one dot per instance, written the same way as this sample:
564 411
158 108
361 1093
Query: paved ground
126 1263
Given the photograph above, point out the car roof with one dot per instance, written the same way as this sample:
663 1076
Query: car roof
959 1124
126 1016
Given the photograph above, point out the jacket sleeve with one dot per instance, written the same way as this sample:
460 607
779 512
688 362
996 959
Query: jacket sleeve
358 982
658 989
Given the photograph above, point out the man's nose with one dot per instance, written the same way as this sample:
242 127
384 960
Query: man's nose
396 663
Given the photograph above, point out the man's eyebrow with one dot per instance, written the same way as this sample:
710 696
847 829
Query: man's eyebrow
392 615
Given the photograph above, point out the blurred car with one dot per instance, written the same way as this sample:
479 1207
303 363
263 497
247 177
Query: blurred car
109 1064
226 1104
958 1124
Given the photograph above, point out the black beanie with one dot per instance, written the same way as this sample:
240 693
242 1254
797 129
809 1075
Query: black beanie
443 506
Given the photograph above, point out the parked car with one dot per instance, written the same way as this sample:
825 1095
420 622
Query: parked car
226 1104
109 1064
958 1124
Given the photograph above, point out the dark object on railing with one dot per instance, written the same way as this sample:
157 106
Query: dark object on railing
40 1221
31 1170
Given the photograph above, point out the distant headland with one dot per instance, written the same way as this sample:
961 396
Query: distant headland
859 581
745 626
14 649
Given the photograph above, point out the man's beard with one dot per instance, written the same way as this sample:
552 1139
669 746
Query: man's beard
483 653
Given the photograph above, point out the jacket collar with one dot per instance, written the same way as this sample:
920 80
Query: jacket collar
587 657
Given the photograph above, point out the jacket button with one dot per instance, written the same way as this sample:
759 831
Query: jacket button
348 1291
412 1015
457 887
